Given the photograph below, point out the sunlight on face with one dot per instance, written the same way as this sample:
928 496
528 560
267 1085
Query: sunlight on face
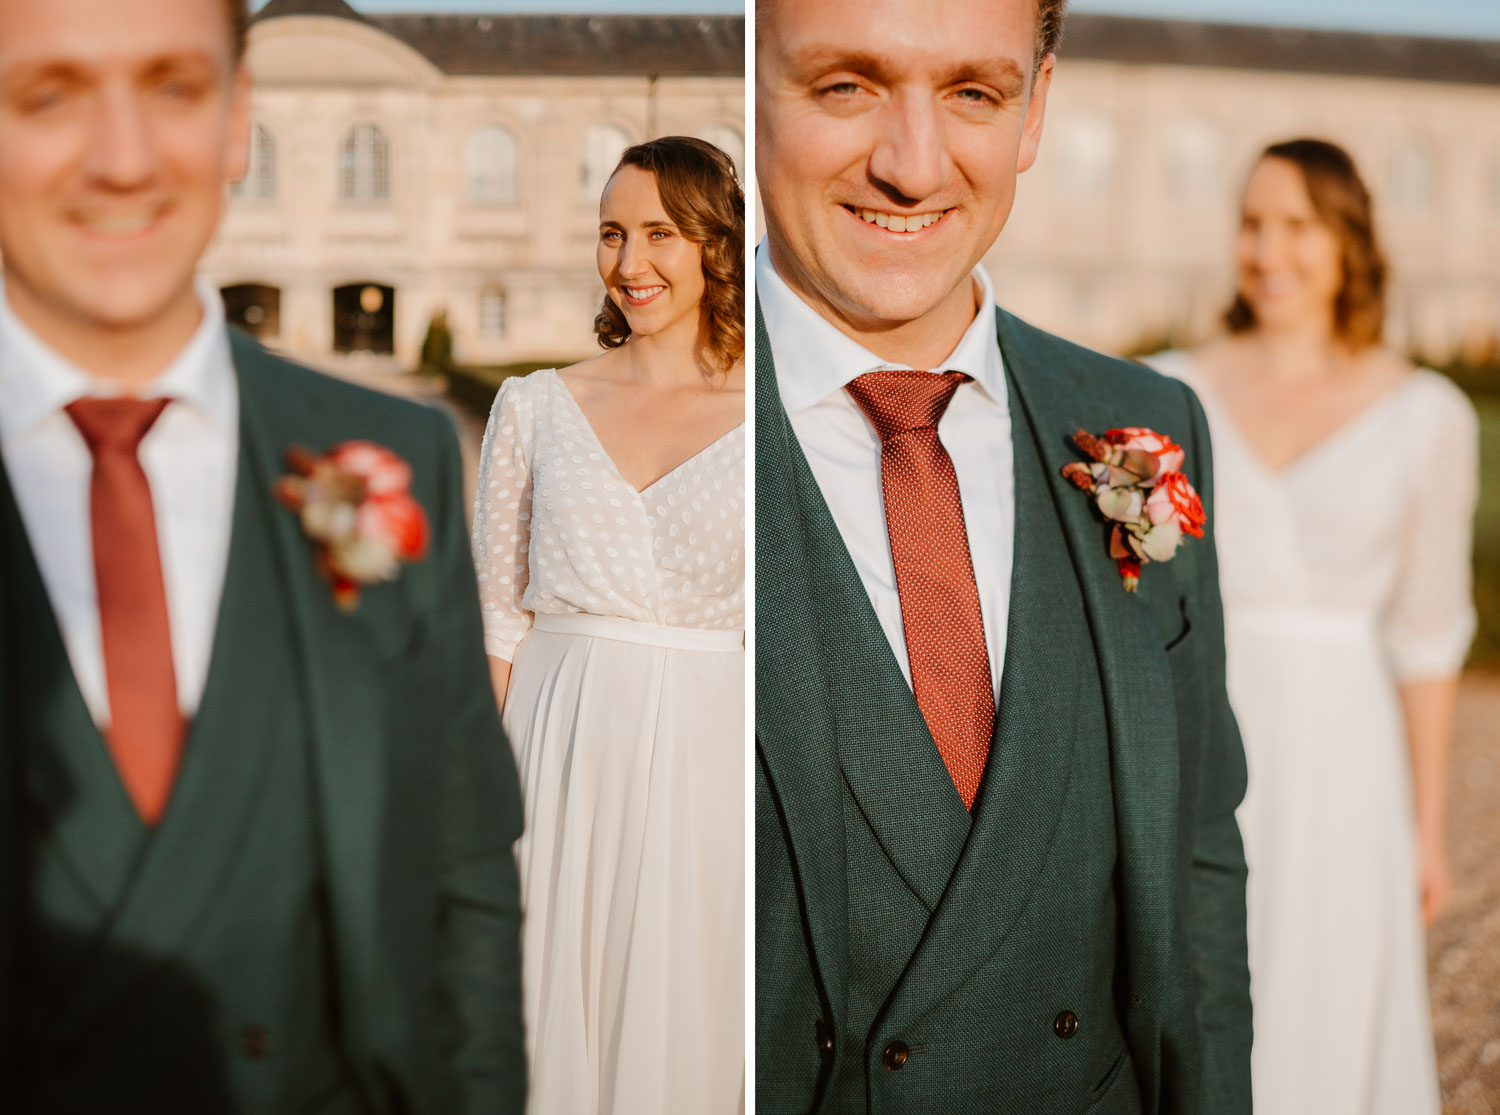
121 124
1290 267
651 271
887 146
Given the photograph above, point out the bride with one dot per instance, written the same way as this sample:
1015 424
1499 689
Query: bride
609 538
1346 483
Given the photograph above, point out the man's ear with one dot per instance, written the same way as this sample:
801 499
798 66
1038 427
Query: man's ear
1036 109
237 154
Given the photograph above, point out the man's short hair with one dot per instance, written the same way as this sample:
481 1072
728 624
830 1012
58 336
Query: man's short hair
239 27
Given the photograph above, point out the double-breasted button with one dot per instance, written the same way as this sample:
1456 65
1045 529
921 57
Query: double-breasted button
1065 1025
823 1034
254 1042
895 1055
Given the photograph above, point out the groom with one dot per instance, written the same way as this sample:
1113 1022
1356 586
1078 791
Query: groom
255 818
997 868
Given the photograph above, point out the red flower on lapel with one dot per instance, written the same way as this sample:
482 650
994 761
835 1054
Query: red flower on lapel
1135 476
355 503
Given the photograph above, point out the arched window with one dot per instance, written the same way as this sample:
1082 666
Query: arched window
492 313
1089 145
729 141
259 181
602 146
1413 176
364 164
491 167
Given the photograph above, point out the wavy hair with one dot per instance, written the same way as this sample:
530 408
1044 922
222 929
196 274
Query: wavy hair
701 193
1342 203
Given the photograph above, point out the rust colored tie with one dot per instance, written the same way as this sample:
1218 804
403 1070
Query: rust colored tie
146 729
950 665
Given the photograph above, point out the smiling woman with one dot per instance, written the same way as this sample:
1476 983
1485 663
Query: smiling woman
609 538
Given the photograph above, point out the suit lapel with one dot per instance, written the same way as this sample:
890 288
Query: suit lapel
794 726
1137 680
337 665
83 821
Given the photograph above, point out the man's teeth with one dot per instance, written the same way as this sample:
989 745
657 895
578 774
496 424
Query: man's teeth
898 223
120 226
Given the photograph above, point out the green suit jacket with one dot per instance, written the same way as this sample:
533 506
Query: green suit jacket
982 950
416 792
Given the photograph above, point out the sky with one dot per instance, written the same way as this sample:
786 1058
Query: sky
1453 18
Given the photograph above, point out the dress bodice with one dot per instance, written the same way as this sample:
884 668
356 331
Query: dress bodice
558 529
1375 521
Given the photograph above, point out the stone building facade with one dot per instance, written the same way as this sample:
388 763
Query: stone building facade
403 165
1122 234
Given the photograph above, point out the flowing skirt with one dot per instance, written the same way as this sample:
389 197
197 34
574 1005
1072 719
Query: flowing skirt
1337 961
630 740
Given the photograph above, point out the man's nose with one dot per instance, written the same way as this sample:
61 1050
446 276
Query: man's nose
912 155
122 150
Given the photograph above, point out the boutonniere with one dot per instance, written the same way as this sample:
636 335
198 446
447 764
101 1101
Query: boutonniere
1135 476
355 503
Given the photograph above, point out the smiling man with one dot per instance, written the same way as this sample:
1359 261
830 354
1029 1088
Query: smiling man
257 819
997 867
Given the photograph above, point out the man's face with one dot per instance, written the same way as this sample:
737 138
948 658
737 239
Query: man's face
121 122
883 118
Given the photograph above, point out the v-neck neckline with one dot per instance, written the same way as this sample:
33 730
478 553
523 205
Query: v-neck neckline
640 492
1211 400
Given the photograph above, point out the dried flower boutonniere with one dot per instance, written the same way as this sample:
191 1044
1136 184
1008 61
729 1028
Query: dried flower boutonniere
1136 480
355 503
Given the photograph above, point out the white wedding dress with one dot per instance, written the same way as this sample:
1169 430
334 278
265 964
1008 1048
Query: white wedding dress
623 613
1344 574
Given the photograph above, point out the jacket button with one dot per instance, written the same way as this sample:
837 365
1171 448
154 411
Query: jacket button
1065 1025
255 1042
895 1055
823 1034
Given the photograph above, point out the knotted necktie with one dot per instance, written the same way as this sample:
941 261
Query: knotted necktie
145 733
950 665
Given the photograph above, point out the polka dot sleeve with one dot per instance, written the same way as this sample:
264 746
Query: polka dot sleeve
502 520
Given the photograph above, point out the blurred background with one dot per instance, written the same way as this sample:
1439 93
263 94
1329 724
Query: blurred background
1122 238
436 165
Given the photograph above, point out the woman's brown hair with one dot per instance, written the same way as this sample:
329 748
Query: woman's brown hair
1342 203
701 193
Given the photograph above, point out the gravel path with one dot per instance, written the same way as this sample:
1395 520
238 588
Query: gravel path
1463 948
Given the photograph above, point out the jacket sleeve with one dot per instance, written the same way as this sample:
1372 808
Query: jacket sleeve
479 973
1217 875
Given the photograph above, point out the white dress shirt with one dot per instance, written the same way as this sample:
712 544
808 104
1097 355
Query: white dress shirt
814 362
189 456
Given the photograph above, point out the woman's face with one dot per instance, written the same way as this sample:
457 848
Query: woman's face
1289 263
650 270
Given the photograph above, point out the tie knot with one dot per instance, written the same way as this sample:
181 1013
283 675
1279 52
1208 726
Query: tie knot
117 424
899 402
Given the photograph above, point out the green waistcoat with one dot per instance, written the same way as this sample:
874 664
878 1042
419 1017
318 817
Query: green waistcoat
187 968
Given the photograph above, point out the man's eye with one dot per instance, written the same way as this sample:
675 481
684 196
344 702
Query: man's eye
40 100
842 89
975 96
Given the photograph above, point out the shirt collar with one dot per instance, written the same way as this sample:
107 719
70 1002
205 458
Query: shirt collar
815 360
36 382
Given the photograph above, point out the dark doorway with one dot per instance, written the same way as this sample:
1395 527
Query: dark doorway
254 307
364 318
